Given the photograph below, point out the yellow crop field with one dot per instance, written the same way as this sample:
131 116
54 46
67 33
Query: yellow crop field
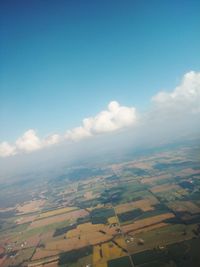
70 215
111 251
56 212
121 242
96 254
107 251
181 206
104 264
93 234
112 220
143 204
165 187
153 179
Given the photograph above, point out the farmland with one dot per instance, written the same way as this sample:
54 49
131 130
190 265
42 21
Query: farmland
144 211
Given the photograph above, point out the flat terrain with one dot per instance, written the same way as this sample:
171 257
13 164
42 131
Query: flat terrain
143 211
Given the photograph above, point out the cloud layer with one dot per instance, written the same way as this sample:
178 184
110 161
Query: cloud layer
7 150
114 118
184 98
182 103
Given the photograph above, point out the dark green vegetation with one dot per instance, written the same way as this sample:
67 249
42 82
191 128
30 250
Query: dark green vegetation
123 261
181 254
63 230
74 255
88 203
129 215
137 171
123 193
175 165
185 253
151 258
101 215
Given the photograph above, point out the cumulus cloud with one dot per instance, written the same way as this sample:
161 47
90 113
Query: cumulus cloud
77 133
51 140
7 150
29 141
112 119
180 105
184 98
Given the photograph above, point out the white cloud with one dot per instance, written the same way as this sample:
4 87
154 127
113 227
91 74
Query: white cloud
77 133
51 140
7 150
112 119
170 110
184 98
29 141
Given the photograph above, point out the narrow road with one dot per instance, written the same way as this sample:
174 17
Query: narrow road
122 233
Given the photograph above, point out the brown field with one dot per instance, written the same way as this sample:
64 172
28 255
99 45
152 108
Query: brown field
66 244
89 227
25 219
155 178
22 255
44 253
1 250
23 242
56 212
187 206
52 264
55 247
165 187
141 165
188 171
84 235
30 206
59 218
143 204
136 164
140 224
84 228
46 236
91 233
149 228
50 261
2 259
33 241
6 209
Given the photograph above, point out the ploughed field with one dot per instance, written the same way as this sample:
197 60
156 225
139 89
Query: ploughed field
142 212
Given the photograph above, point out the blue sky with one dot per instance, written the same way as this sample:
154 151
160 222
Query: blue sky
61 61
